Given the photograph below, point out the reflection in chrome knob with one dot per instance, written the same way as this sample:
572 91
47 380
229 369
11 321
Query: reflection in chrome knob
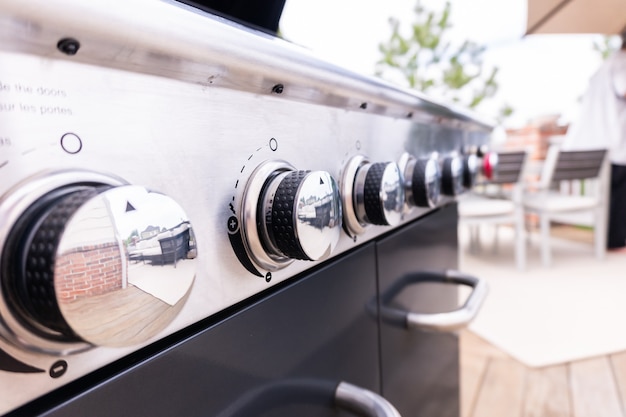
106 266
422 181
452 176
372 194
290 214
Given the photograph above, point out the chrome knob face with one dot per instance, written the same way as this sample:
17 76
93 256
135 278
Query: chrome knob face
452 176
290 214
107 266
422 181
373 193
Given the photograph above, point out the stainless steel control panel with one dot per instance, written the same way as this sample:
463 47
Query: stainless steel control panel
153 174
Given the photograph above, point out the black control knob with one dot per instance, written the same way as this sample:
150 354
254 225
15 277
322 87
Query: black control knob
290 214
372 193
452 176
470 170
34 284
422 180
299 206
77 265
482 150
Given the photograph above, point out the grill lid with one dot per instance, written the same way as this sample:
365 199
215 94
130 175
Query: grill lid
257 14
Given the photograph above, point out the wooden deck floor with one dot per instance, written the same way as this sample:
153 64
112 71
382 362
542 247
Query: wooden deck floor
494 384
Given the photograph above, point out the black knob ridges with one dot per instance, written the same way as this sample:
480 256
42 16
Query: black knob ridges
371 194
282 228
28 263
419 186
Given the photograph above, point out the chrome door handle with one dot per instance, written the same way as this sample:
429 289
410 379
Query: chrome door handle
344 395
363 401
443 322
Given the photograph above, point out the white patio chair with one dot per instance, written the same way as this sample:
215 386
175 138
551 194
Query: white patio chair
497 202
553 203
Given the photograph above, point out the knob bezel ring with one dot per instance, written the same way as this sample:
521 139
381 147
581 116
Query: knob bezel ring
252 195
12 206
351 222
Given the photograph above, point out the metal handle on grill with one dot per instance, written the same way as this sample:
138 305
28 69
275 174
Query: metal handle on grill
350 397
443 322
363 401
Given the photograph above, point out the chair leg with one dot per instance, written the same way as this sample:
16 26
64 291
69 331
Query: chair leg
544 224
496 230
520 243
470 236
474 232
599 234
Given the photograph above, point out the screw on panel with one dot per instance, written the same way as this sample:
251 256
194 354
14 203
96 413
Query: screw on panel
68 46
364 106
278 89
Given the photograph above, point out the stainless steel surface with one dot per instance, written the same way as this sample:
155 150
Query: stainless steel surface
364 402
152 99
457 319
184 48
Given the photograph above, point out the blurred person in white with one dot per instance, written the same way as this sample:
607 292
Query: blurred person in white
602 124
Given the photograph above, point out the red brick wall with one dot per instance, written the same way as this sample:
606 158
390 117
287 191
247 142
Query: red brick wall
534 138
88 271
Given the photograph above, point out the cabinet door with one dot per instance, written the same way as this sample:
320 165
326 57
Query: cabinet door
420 369
314 328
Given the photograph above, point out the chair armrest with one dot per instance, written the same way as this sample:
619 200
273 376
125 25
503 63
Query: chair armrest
535 185
517 193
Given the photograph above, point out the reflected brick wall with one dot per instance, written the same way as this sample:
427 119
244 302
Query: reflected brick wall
88 271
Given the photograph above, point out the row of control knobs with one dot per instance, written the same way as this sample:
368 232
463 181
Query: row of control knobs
82 246
289 214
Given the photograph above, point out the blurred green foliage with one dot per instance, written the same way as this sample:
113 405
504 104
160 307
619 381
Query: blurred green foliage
422 58
606 45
